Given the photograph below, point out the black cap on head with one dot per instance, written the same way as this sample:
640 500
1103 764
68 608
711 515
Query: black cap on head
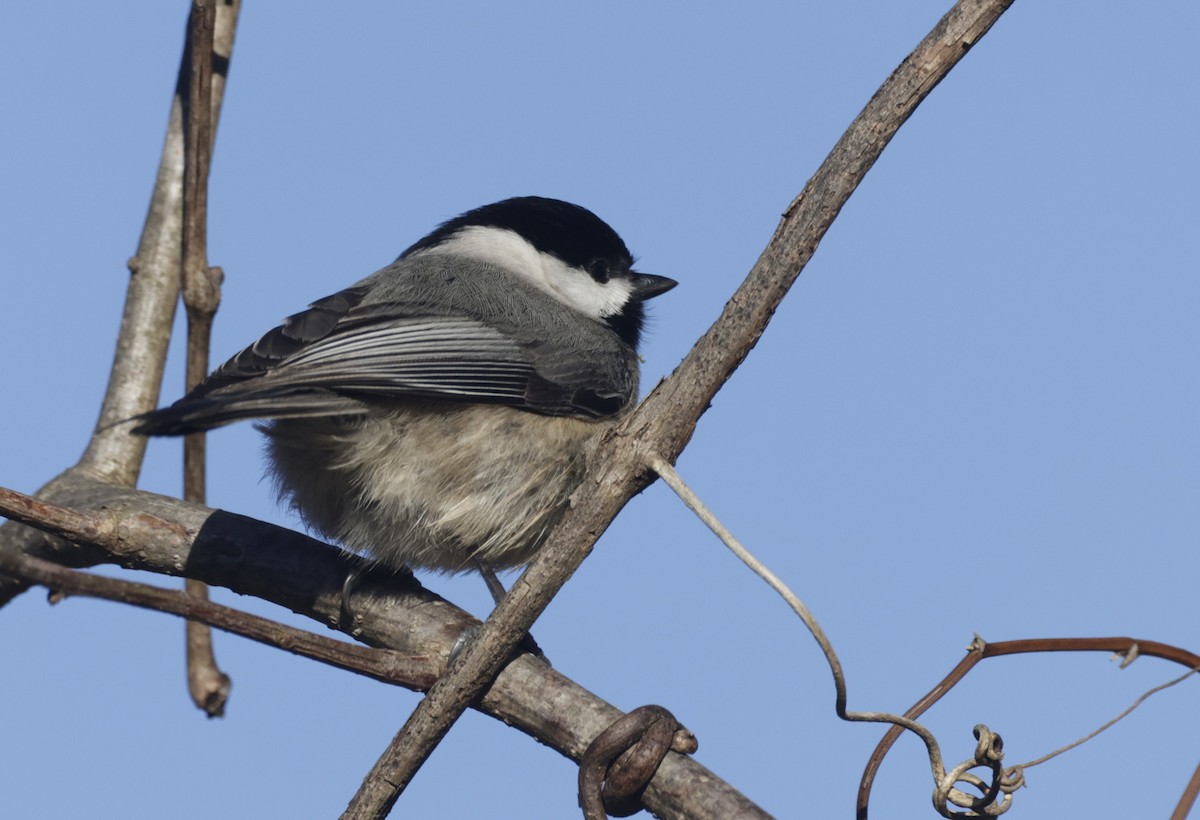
569 232
572 234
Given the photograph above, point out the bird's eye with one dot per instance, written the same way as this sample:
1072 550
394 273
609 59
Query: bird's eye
598 270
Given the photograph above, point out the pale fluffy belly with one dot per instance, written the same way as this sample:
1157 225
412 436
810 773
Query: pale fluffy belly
432 485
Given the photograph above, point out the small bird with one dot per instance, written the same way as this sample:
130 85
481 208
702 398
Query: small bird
436 414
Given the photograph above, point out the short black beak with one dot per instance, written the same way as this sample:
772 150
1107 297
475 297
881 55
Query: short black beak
647 285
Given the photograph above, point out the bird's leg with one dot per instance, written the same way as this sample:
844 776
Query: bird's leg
346 617
492 580
527 644
360 568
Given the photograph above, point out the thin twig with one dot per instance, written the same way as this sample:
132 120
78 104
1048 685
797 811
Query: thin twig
665 421
1127 648
207 684
979 649
673 480
414 672
1106 725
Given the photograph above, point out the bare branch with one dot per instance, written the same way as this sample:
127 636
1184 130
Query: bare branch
112 455
1108 724
410 671
152 532
665 421
207 684
1128 648
1188 798
136 378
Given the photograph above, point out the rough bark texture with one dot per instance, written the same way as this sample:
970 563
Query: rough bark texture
141 530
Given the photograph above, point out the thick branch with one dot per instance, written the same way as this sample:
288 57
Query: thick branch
665 421
146 531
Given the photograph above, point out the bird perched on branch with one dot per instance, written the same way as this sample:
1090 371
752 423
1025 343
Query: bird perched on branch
436 414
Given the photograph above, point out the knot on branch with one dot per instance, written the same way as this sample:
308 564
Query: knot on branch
989 752
621 761
202 290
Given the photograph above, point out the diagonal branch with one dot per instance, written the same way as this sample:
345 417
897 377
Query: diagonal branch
667 419
1188 798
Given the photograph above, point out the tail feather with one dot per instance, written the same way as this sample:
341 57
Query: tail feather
195 414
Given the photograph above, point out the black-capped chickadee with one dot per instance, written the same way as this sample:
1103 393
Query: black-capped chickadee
435 414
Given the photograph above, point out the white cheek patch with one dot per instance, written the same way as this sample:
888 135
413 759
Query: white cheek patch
576 288
569 285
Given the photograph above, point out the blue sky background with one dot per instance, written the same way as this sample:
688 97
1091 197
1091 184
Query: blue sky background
976 411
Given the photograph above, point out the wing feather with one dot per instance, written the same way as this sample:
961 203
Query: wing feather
433 358
403 333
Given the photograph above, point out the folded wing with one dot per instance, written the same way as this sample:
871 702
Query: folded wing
339 355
